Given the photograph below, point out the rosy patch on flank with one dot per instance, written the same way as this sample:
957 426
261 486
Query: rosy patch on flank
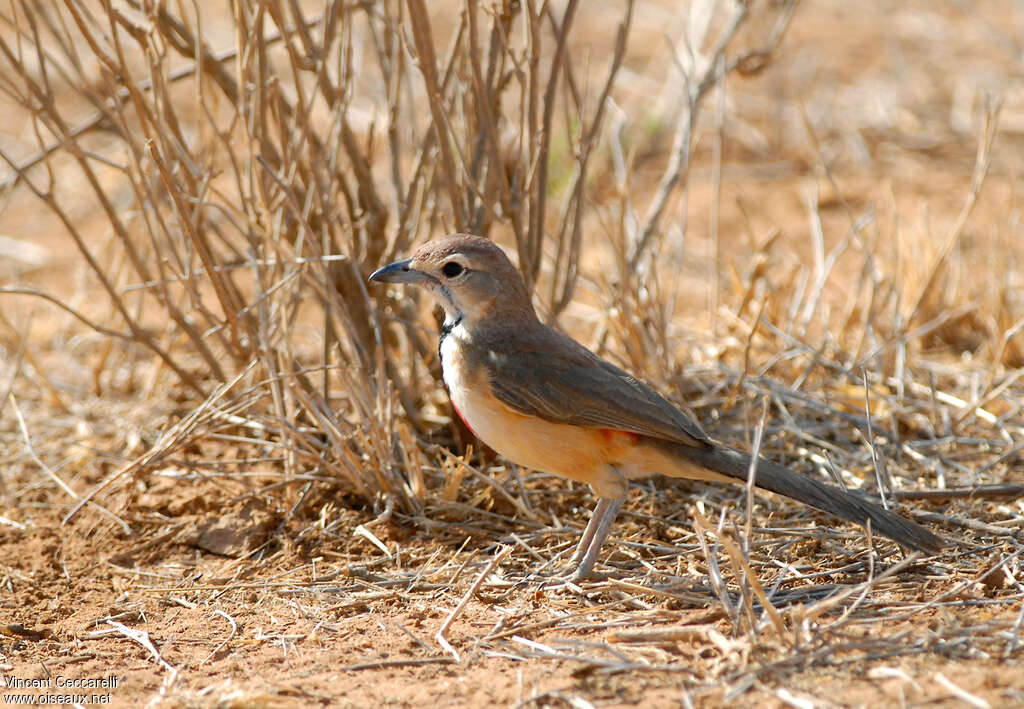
463 419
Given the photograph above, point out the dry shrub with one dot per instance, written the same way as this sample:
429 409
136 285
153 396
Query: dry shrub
248 192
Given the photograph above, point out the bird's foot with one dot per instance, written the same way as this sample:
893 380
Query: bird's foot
564 576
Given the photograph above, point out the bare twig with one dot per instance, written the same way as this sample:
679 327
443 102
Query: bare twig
442 632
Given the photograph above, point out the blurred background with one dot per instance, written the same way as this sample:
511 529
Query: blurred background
193 198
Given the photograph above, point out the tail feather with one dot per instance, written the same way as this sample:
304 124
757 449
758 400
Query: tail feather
828 498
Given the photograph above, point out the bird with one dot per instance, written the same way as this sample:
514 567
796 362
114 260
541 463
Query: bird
544 401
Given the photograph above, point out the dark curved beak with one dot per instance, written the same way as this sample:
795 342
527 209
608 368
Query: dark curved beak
399 272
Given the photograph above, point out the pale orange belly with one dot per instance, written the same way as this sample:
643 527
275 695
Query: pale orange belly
601 457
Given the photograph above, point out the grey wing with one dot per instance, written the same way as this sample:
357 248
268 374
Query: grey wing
572 385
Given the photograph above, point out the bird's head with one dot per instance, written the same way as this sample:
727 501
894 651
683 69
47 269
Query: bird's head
471 277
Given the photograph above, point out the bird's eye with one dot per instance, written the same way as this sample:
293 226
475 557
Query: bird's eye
452 269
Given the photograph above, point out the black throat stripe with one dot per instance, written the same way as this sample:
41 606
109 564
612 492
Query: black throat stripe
446 330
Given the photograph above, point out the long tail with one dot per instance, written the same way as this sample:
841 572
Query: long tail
828 498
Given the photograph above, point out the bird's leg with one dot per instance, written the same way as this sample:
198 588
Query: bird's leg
600 524
588 532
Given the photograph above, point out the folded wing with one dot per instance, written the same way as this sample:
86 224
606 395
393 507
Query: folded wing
569 384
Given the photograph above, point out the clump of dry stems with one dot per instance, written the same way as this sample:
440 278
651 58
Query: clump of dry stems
247 192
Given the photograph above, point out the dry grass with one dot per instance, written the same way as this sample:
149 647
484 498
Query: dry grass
216 424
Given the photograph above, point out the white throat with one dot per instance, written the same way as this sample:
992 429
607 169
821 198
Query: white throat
455 334
453 369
